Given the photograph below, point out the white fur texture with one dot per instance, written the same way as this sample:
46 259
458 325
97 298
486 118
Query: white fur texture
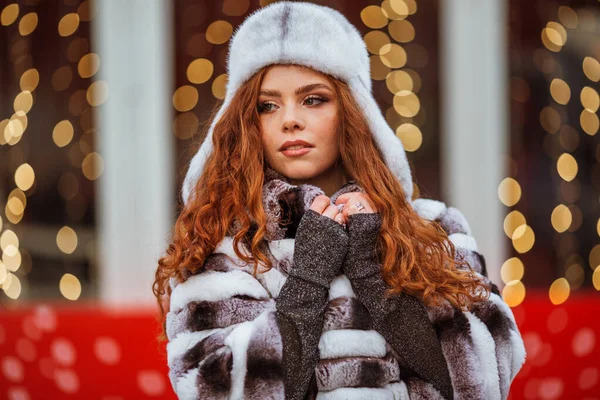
184 341
282 249
238 341
465 241
340 286
215 286
187 389
399 390
277 34
517 344
486 350
273 280
428 208
225 246
351 342
346 393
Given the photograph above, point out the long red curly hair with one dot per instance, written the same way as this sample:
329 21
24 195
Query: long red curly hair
416 255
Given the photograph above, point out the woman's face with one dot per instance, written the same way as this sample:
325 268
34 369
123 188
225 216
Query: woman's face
298 103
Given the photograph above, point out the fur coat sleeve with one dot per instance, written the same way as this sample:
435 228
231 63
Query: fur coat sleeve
484 347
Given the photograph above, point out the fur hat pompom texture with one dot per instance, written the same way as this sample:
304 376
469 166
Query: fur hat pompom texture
315 36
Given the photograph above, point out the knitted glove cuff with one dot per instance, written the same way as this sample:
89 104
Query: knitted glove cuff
363 232
319 248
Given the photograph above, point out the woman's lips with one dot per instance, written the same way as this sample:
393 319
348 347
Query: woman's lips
297 152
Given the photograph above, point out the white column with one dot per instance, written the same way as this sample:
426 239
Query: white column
135 194
475 137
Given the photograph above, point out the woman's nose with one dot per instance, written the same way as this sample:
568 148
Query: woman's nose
291 120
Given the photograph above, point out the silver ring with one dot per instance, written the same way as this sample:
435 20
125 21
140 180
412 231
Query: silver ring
359 206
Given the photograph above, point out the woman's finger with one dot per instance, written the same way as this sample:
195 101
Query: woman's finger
320 203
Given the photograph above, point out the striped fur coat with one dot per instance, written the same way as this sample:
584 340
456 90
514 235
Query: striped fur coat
224 341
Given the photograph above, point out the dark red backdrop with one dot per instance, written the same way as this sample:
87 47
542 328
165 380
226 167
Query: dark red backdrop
89 352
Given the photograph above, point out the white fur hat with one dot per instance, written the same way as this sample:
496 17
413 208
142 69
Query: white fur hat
315 36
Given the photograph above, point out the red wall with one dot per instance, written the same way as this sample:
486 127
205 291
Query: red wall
88 352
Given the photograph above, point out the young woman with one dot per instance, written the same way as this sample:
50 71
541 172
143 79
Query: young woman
300 266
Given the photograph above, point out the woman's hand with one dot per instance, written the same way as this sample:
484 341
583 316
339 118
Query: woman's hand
348 203
322 205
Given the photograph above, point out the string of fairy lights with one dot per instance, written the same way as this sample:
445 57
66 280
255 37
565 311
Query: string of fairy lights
80 153
560 141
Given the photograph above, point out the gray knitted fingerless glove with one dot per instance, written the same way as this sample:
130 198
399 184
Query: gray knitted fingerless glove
319 251
402 320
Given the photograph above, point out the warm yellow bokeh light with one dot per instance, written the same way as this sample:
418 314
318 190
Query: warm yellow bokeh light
66 240
62 134
8 238
200 70
7 280
509 192
11 258
594 257
97 93
568 17
567 167
219 86
235 8
560 91
28 23
512 221
523 239
23 102
24 177
375 40
513 293
219 32
88 65
185 125
70 287
68 24
29 80
410 136
9 14
379 70
392 55
591 69
512 270
398 80
406 103
185 98
14 289
92 166
87 10
596 278
15 206
589 122
550 120
575 276
402 31
590 99
395 9
3 273
561 218
562 32
559 291
374 17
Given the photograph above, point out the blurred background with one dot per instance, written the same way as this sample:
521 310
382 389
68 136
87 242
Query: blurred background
103 104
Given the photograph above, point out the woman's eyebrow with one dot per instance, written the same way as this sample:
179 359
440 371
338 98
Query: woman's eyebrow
298 91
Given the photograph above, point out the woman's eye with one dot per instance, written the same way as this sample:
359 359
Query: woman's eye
264 107
310 101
